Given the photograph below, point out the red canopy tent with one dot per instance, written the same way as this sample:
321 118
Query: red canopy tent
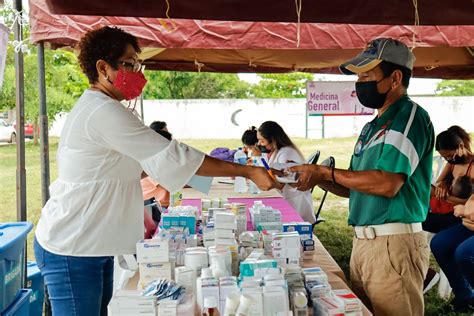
224 46
393 12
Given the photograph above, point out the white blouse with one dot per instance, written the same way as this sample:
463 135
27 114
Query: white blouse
301 201
96 204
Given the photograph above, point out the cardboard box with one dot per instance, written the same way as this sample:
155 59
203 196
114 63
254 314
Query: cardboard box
153 250
153 271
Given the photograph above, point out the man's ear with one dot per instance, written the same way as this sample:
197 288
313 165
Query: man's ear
396 77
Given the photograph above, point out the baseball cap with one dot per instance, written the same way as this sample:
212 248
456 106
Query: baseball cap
378 50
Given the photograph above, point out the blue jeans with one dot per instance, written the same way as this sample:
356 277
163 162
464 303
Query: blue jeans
77 286
453 248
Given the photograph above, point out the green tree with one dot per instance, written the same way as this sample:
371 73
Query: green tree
194 85
64 79
291 85
455 88
64 84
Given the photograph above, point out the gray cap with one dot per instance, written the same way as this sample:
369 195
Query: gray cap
378 50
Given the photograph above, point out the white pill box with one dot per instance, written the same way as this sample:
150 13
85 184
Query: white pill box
224 217
153 250
286 240
153 271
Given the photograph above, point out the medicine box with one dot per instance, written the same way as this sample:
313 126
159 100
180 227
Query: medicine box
153 250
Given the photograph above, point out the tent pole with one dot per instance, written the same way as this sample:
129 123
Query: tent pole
43 118
20 122
20 132
306 121
141 108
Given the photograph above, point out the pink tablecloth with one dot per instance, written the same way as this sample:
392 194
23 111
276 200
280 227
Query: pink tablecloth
288 213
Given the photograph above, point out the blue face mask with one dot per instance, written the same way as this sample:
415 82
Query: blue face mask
368 94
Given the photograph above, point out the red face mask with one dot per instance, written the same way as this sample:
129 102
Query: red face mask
129 83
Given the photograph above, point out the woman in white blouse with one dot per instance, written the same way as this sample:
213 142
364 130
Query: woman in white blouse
281 149
96 206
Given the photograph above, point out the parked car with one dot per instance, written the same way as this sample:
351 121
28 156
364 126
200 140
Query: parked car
7 132
28 129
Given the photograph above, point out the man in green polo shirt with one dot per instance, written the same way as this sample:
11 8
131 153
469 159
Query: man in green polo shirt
388 183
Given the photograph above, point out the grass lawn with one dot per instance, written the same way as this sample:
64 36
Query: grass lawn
335 234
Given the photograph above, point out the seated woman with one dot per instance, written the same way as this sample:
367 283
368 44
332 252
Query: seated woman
150 188
452 186
153 191
282 150
453 248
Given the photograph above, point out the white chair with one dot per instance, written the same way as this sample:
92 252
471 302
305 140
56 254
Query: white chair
125 268
444 289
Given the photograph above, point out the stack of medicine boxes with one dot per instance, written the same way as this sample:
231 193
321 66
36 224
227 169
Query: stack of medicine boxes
304 229
154 262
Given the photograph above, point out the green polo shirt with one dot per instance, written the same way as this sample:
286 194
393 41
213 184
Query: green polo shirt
399 141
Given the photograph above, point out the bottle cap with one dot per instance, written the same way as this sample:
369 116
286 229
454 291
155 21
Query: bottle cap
206 273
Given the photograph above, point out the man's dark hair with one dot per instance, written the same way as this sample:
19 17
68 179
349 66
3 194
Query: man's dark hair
388 68
158 125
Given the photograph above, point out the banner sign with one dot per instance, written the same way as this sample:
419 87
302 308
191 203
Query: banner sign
4 31
334 98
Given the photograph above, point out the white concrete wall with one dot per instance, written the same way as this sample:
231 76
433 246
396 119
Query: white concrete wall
211 119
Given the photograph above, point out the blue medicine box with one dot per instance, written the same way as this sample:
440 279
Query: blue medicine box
36 284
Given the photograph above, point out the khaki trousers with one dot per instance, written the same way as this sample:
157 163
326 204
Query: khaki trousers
387 273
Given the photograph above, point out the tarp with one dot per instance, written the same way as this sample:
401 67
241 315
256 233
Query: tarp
220 46
392 12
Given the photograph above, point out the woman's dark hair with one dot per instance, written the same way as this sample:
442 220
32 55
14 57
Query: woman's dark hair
165 134
106 43
452 138
158 126
461 132
274 133
388 68
249 138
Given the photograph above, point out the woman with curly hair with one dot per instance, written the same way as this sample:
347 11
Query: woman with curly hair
96 205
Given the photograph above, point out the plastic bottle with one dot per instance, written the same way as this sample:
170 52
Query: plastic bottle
252 186
240 184
205 273
210 306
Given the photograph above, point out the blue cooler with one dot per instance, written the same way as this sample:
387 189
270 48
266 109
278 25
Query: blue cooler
12 244
36 284
21 307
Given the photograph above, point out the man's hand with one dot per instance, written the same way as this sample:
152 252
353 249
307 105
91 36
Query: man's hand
308 176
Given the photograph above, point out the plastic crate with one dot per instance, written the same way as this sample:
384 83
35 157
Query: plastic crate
12 244
20 307
36 284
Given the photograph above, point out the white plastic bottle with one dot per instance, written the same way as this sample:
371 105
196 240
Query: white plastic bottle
240 184
205 273
252 186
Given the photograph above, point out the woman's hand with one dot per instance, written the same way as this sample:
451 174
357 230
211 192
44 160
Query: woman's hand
462 152
441 191
459 210
262 179
469 208
469 224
